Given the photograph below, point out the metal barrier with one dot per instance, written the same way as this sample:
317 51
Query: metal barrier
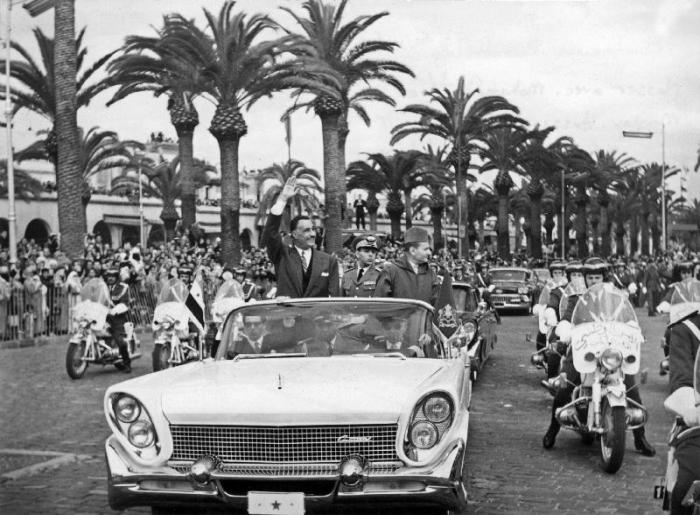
26 315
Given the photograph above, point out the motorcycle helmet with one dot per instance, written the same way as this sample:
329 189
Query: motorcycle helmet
574 266
595 266
111 273
687 267
557 265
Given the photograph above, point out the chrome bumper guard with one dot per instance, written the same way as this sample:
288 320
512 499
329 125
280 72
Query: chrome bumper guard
387 482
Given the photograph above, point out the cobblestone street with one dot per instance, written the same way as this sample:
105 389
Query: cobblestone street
52 432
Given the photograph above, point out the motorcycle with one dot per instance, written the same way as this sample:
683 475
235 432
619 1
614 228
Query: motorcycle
685 300
605 340
91 342
228 297
174 344
684 403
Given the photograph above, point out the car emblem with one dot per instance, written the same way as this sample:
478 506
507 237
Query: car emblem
354 439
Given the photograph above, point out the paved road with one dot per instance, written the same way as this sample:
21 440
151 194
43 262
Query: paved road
43 411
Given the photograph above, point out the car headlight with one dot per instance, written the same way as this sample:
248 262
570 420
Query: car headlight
424 434
141 434
523 289
611 359
437 409
127 409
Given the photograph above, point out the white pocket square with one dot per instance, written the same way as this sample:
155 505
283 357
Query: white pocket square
324 274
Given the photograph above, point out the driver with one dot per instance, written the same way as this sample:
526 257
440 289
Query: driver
323 340
594 272
250 338
120 301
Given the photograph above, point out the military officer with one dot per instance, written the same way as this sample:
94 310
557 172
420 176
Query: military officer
361 281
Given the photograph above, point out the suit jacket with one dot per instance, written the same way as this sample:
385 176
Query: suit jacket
324 280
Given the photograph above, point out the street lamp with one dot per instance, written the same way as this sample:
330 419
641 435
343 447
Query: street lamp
649 135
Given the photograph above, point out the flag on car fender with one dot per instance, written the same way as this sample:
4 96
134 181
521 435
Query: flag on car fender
445 308
195 305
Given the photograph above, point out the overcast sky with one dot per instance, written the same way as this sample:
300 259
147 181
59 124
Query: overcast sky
590 68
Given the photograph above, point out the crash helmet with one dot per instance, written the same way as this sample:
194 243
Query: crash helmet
557 265
573 266
184 271
619 263
111 273
687 267
595 266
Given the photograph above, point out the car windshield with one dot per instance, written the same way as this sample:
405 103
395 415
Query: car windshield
604 303
508 275
320 329
173 291
464 299
95 290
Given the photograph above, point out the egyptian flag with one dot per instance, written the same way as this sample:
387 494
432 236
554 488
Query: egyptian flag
195 305
445 307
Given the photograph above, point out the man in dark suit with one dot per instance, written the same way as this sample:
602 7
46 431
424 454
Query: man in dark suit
302 271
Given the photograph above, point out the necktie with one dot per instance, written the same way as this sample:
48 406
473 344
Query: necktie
304 262
360 274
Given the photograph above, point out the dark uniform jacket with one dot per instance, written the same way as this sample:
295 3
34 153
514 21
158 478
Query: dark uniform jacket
683 347
397 279
620 281
365 287
321 277
118 294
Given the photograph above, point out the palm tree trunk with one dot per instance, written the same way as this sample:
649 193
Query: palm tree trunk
536 227
482 237
620 238
581 225
436 218
634 234
518 232
188 205
644 232
331 172
372 208
230 202
343 132
463 201
605 236
408 208
503 232
71 217
595 229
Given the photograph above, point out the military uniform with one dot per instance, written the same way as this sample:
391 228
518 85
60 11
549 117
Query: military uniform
119 294
353 286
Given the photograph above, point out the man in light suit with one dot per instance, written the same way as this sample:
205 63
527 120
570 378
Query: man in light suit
302 271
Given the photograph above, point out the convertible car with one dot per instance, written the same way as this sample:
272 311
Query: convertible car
478 333
513 289
308 403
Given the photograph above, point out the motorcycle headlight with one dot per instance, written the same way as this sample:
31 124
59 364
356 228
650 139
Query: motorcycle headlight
469 331
424 434
127 409
437 409
141 434
611 359
167 325
84 324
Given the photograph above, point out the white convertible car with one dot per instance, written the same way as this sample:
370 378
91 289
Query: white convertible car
308 403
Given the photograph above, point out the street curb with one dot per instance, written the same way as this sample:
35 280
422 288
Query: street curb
41 341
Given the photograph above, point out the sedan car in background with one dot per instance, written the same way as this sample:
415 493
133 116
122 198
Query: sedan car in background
307 403
478 332
513 288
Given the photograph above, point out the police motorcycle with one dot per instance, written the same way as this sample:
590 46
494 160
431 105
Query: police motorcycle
228 297
91 342
174 343
605 339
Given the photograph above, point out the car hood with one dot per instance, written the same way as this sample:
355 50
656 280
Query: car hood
299 390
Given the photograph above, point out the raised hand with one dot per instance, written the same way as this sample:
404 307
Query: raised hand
289 189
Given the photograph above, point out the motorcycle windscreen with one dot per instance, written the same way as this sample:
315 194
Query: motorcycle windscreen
173 291
229 289
575 287
603 318
228 297
95 290
685 300
173 312
544 296
93 312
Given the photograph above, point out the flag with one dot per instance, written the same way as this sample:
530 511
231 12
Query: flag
195 306
445 307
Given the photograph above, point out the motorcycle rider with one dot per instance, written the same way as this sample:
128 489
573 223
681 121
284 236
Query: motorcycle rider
619 277
686 270
120 301
594 272
684 342
560 277
555 285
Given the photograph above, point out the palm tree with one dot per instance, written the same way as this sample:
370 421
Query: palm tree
156 64
238 68
462 121
98 151
26 186
482 204
271 180
162 180
504 151
34 87
330 44
395 172
435 174
579 166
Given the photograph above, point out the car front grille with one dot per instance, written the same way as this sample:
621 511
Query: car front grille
505 299
284 444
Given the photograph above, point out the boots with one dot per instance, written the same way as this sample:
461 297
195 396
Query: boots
551 435
641 443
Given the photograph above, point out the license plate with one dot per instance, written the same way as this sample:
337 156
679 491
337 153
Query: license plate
276 503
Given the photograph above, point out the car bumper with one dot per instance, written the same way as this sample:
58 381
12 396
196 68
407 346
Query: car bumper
511 301
439 484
